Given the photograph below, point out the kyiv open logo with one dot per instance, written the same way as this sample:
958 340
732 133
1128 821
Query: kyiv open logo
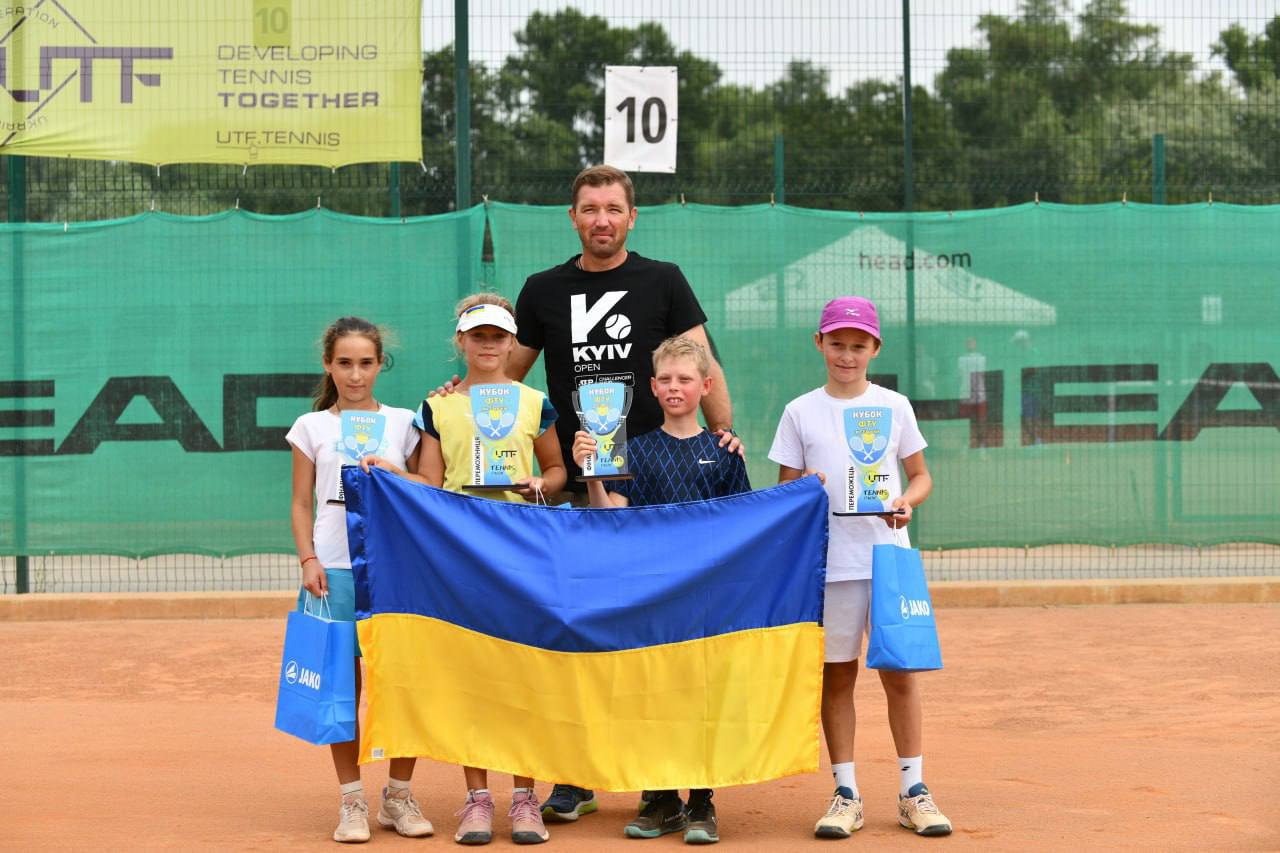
42 25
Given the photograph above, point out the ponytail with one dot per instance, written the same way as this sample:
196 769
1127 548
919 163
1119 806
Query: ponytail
325 394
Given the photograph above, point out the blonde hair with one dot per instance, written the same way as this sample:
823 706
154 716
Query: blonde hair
483 298
683 347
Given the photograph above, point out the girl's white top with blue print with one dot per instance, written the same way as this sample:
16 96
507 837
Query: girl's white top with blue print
319 436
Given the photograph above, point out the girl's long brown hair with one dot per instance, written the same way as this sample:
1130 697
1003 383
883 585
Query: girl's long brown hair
326 393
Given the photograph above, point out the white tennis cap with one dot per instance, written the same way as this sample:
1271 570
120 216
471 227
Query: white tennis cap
486 314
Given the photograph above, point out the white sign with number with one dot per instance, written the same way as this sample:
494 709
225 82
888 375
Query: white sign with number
640 117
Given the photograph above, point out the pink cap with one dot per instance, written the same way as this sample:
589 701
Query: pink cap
850 312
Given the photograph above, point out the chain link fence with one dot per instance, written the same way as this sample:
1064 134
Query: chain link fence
1084 101
802 103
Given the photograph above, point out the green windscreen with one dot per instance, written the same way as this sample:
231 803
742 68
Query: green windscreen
1128 353
157 362
1102 374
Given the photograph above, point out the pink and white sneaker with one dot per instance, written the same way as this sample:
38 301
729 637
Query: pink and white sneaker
477 820
526 819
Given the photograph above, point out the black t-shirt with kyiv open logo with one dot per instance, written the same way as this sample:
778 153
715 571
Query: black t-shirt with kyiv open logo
604 327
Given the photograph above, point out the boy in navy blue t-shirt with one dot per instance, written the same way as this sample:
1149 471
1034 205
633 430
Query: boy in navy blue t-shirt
679 461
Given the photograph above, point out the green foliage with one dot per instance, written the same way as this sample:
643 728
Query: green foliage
1043 102
1029 101
1253 60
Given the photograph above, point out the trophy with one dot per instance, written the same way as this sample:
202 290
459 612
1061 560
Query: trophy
866 434
602 410
362 434
493 456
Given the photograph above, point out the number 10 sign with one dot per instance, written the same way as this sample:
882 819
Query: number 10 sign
640 117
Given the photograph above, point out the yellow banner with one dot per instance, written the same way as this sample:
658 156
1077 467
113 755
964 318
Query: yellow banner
315 82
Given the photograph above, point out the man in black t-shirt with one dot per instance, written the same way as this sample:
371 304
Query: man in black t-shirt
599 316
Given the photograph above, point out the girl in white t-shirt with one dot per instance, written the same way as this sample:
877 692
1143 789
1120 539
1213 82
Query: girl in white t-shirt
854 434
346 424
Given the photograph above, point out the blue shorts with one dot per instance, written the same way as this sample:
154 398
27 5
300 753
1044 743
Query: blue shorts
341 606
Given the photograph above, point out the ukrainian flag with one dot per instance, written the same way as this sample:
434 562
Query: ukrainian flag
653 647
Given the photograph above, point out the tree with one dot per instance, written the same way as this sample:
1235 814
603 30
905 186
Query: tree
1024 102
1254 60
557 81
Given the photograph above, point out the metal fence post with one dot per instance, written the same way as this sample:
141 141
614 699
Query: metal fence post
779 197
17 186
909 205
393 178
1157 169
779 174
462 139
908 197
1160 475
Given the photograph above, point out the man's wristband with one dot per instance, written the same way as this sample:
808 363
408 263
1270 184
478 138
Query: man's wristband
305 559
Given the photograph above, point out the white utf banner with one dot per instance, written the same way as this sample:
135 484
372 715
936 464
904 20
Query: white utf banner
640 117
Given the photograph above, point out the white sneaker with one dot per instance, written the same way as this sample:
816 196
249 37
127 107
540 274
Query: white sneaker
917 811
353 821
401 812
843 817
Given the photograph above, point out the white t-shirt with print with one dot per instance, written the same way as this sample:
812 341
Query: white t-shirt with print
319 435
857 443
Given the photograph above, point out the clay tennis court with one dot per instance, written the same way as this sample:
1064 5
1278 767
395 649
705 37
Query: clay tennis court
1153 727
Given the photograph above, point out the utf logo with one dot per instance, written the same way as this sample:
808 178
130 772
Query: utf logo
60 63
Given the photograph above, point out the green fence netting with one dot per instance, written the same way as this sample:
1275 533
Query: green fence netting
153 361
1103 375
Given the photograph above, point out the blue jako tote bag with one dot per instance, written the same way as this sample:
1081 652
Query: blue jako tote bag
904 636
317 695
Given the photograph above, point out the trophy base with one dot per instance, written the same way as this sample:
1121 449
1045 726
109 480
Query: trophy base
496 487
583 478
882 514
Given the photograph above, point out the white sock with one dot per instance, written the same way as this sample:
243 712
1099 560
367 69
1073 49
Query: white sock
356 787
395 784
526 791
476 792
844 776
912 773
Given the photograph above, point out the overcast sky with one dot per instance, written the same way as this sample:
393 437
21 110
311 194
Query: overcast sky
752 40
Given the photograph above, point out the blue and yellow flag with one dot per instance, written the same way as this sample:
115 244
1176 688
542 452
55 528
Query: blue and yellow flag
655 647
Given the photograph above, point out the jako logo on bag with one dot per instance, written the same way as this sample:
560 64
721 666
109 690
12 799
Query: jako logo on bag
294 674
913 607
582 320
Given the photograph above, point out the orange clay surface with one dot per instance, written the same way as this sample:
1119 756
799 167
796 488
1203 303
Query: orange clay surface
1137 727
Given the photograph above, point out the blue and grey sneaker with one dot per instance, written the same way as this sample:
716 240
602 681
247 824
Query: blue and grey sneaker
567 803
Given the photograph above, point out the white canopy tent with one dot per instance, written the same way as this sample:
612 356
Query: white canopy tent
872 263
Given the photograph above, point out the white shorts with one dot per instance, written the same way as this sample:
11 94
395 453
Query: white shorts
844 618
